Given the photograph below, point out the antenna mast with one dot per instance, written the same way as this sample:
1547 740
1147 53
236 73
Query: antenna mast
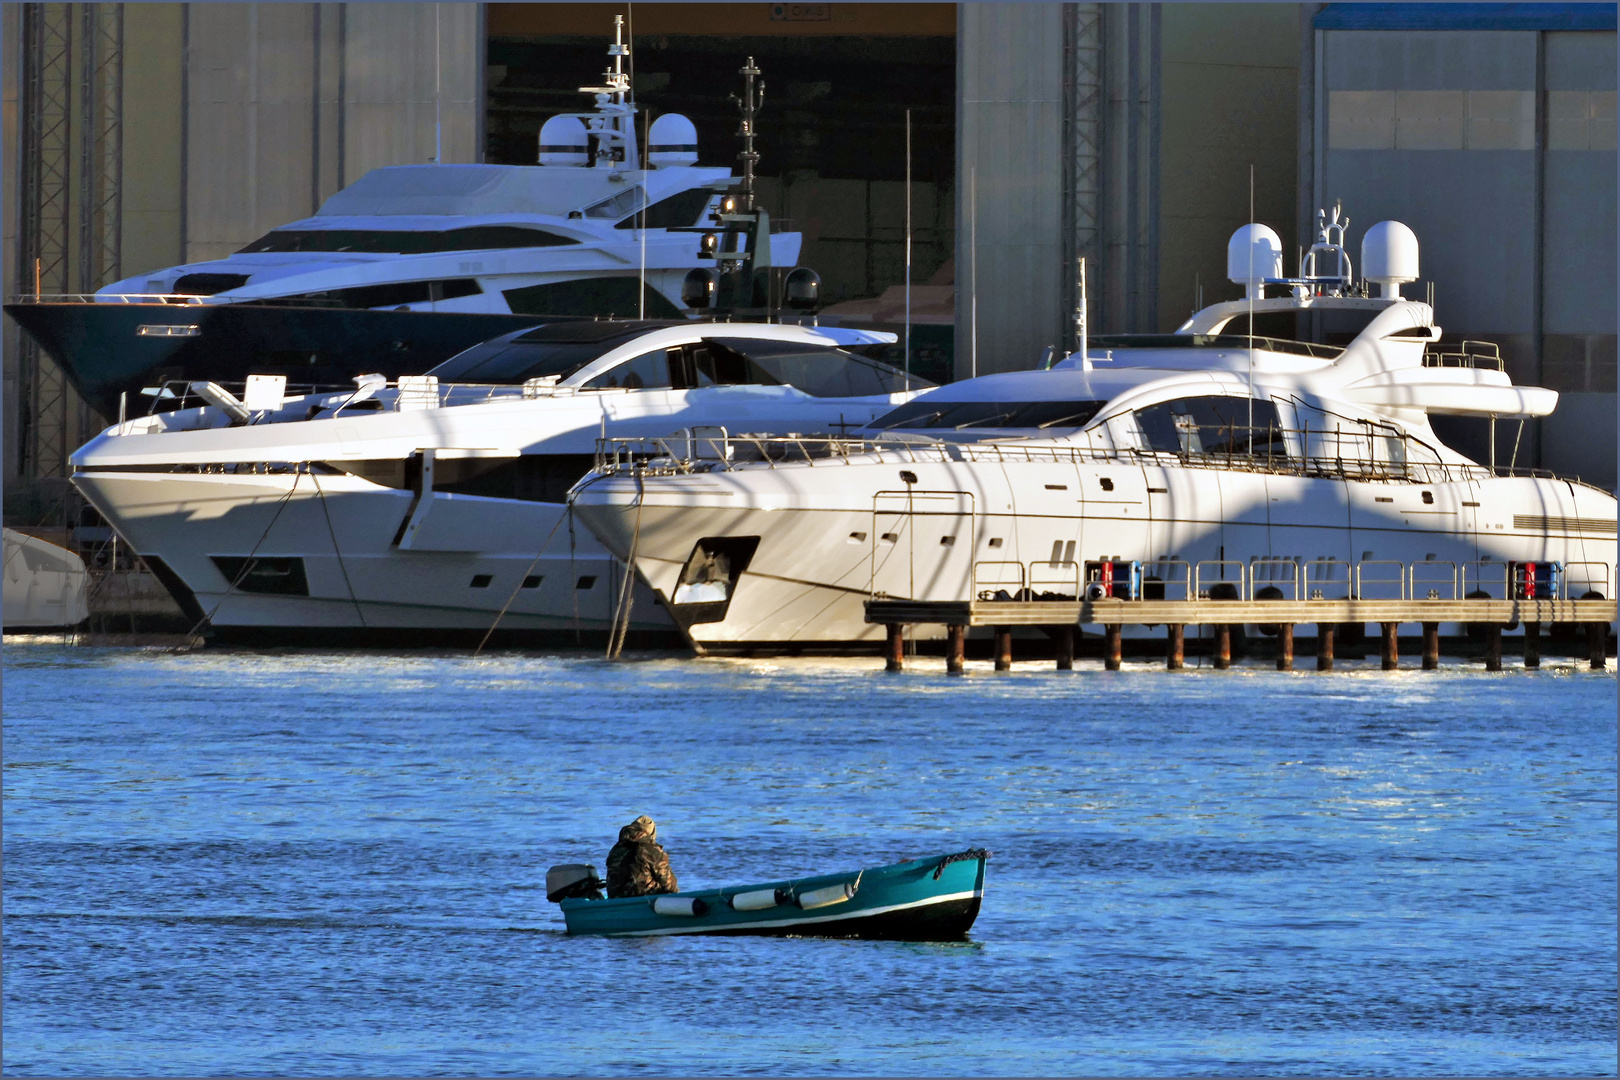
908 250
749 103
614 127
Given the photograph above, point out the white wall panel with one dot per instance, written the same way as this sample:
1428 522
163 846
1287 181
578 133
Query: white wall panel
258 157
1009 122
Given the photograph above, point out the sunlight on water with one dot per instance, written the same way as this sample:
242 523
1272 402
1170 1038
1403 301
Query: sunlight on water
332 863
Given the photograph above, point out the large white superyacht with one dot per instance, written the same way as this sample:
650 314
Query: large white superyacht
434 505
410 264
1212 462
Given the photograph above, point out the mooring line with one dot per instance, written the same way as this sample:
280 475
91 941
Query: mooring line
247 563
338 551
621 614
537 557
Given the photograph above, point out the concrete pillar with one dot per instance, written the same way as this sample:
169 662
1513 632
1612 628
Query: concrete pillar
1324 646
1175 647
1065 648
1285 647
1597 644
1493 647
1112 635
1223 646
1003 648
1532 645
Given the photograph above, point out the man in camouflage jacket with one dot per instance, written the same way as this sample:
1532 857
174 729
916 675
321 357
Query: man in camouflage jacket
638 865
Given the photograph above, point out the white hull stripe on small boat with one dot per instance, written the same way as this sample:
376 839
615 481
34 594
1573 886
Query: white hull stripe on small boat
972 893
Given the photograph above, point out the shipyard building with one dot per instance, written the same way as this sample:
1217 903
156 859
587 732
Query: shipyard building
1132 137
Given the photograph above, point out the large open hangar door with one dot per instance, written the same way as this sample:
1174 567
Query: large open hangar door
839 79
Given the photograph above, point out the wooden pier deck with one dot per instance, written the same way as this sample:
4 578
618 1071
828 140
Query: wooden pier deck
1062 617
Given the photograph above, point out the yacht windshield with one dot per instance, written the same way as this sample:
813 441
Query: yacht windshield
957 415
402 242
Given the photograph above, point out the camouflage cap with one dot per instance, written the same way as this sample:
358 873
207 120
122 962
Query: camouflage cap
643 828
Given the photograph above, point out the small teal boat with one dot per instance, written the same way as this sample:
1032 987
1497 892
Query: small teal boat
932 899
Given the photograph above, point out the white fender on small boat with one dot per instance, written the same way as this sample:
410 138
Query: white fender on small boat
757 900
687 906
831 894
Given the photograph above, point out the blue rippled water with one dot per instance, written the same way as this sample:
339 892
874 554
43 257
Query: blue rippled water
236 862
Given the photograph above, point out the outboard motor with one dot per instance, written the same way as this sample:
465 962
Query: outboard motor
573 881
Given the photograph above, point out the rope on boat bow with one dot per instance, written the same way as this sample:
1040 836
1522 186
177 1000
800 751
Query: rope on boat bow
620 628
961 856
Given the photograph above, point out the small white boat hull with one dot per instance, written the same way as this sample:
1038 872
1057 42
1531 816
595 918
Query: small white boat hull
46 587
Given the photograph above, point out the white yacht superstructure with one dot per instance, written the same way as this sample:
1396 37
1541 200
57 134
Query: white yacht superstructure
437 503
1222 464
574 234
410 264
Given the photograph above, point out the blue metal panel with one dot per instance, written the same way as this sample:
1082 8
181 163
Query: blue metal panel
1579 238
1429 60
1466 17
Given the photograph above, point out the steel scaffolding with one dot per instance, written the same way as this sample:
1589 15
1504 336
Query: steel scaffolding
69 204
1082 154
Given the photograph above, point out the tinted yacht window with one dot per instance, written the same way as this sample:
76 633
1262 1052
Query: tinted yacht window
406 242
676 212
649 371
1212 425
957 415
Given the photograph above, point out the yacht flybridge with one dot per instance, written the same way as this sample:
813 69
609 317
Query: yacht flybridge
1212 462
413 263
435 503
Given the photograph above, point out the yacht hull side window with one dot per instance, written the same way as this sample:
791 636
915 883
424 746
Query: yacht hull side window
262 574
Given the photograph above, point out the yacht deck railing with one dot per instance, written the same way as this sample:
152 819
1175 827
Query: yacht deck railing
1468 354
1335 454
1296 580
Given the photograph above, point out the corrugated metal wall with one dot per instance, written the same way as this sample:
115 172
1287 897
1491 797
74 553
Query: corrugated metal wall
1498 148
1121 132
1009 266
266 138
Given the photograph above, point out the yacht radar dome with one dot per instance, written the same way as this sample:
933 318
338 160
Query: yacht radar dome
564 141
672 141
1389 256
1253 255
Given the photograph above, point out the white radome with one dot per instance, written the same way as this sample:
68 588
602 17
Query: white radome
672 140
1389 256
1252 255
564 141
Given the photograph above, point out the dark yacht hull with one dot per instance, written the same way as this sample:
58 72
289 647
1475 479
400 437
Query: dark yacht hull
104 352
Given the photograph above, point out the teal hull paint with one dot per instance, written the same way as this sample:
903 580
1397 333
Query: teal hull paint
899 902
